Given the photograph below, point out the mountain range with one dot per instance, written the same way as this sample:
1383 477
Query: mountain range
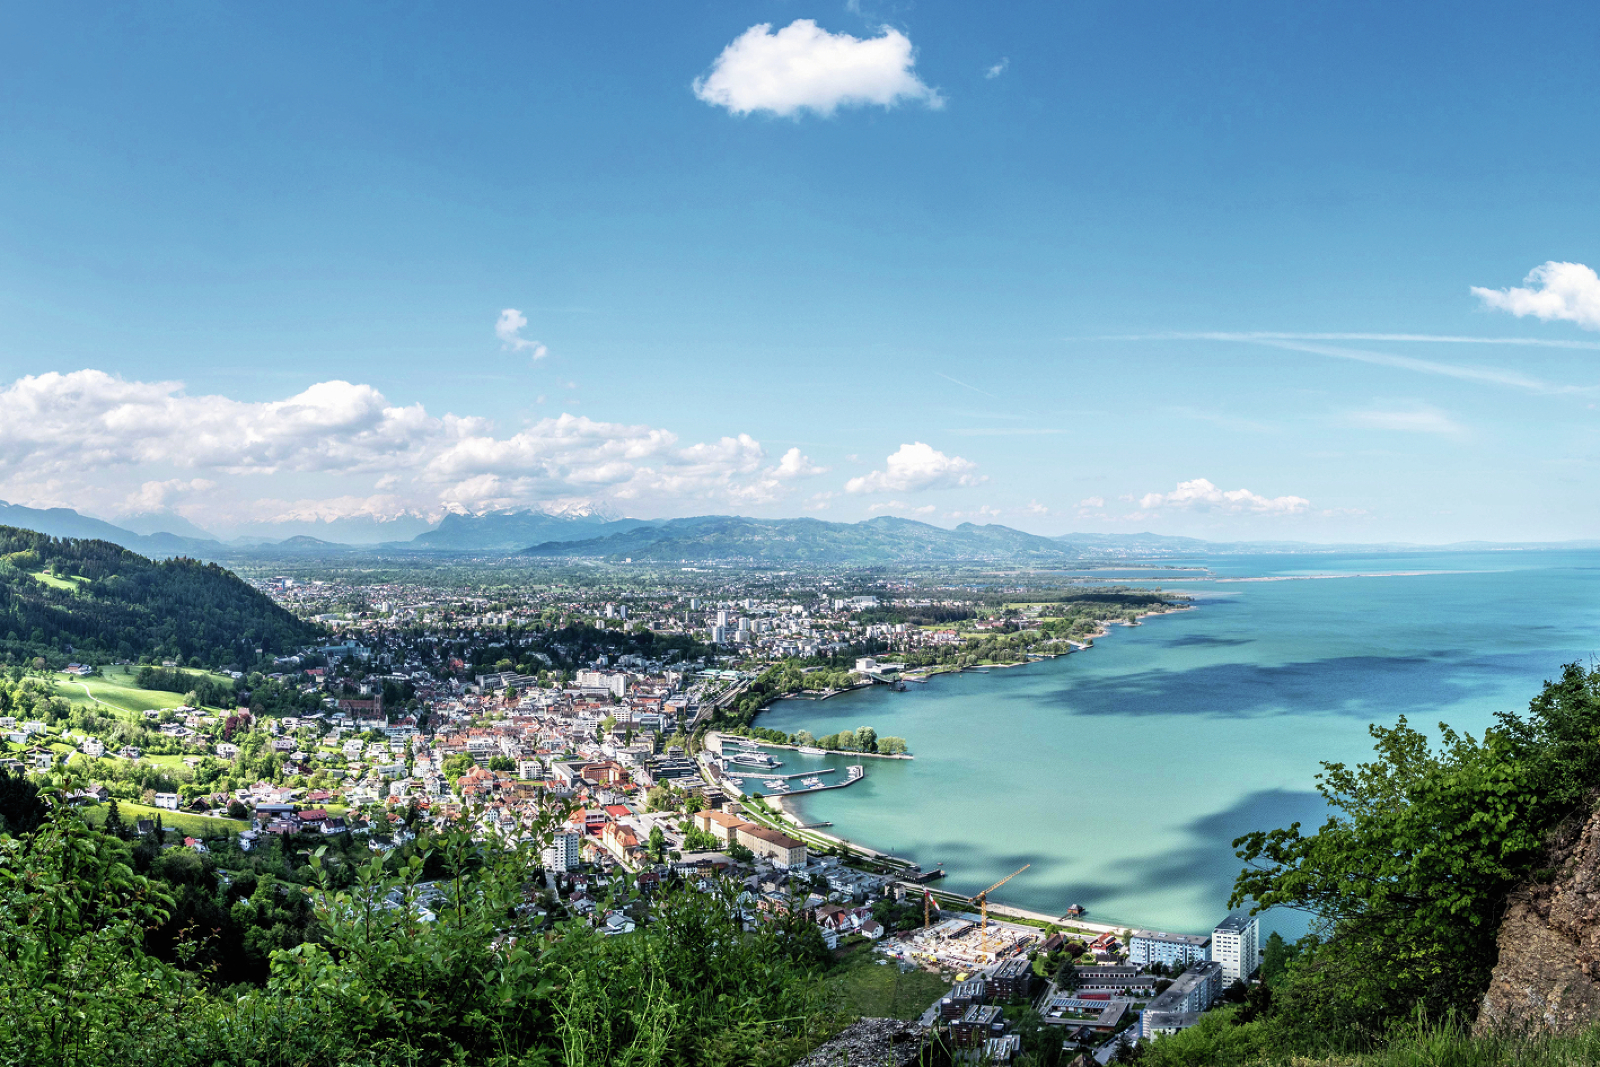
874 541
704 538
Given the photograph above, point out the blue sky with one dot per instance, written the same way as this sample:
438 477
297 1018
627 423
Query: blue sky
993 262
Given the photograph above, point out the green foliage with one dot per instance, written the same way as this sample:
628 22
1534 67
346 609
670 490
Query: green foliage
131 606
487 981
21 809
1218 1040
698 840
864 739
1409 876
779 680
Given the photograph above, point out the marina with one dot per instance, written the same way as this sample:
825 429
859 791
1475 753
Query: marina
770 777
777 785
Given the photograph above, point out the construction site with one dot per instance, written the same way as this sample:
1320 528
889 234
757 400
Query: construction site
961 941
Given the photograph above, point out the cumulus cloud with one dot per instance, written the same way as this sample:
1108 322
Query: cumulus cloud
998 69
915 467
1568 292
804 67
796 465
1092 502
1200 494
509 329
64 422
80 439
1035 508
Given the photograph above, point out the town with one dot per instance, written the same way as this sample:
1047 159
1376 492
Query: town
611 737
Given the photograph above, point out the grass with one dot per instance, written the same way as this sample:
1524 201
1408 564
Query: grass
115 687
860 985
191 825
71 585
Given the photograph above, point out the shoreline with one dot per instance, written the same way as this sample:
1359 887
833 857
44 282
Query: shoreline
825 751
787 815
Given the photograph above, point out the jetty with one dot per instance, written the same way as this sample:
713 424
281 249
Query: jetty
764 777
741 782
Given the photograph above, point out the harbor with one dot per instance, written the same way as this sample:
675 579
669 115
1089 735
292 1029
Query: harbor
778 785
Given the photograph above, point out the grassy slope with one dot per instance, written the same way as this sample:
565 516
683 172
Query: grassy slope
861 986
192 825
115 686
69 584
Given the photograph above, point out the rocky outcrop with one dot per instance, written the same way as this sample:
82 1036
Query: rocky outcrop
870 1043
1548 974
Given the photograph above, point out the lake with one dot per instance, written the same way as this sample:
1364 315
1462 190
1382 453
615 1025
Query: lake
1123 773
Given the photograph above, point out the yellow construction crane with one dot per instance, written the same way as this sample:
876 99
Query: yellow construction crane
982 900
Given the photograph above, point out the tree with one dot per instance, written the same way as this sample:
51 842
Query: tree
21 809
1411 871
1275 957
892 746
867 739
658 842
114 824
237 810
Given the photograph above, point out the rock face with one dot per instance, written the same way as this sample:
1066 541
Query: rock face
1548 974
870 1043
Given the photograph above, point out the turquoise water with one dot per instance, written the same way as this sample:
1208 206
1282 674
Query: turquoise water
1123 773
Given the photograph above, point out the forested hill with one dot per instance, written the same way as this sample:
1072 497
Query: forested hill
64 598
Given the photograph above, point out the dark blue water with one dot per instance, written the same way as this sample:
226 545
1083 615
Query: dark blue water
1123 773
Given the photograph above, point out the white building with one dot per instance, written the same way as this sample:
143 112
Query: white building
1236 944
564 852
1153 946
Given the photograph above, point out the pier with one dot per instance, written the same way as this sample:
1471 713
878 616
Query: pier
853 774
798 774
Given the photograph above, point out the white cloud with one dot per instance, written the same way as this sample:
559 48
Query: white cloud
1200 494
1035 508
509 329
819 502
915 467
1414 420
81 439
998 69
980 513
902 507
795 465
65 422
1569 292
1504 376
804 67
1092 502
159 495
